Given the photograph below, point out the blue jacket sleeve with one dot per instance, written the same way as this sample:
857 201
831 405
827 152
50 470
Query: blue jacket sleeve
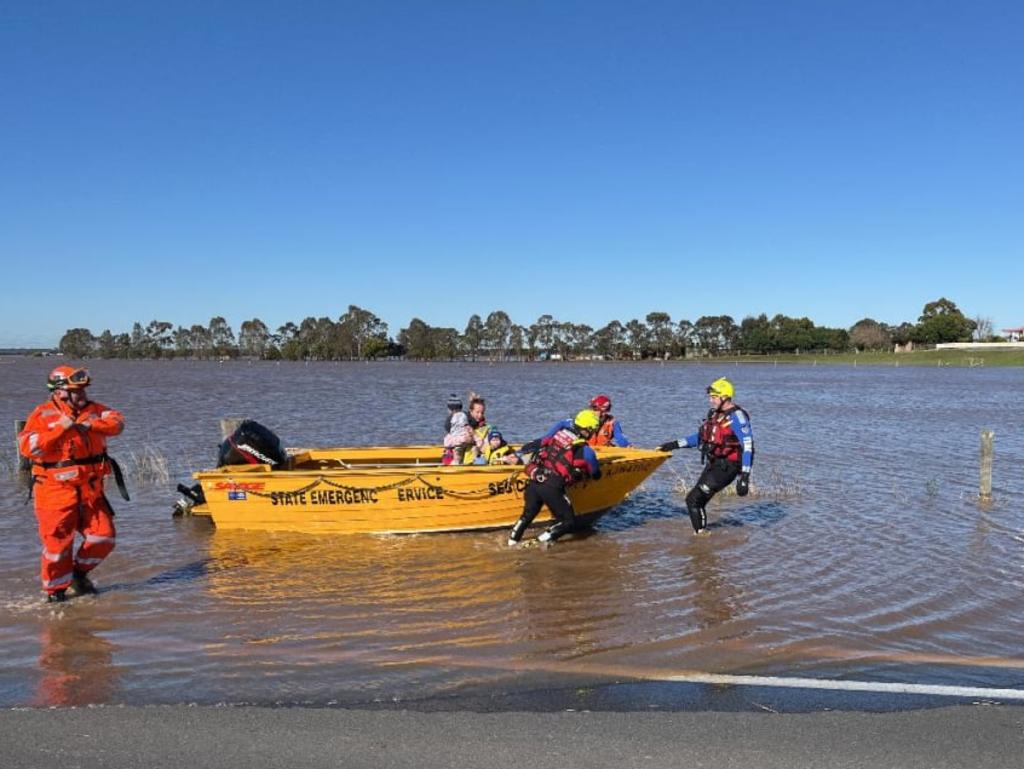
591 458
690 441
618 437
565 424
741 427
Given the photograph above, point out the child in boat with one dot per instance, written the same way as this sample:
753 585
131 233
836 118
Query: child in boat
458 434
497 451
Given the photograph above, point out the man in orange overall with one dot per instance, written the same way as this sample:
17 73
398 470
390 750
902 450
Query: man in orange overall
66 440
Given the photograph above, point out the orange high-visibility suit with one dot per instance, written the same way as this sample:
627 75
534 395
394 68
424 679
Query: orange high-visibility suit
69 464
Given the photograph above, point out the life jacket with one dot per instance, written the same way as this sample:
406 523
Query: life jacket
605 433
717 438
494 456
71 457
479 439
561 454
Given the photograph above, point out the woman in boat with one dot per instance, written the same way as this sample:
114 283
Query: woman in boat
561 460
726 444
478 424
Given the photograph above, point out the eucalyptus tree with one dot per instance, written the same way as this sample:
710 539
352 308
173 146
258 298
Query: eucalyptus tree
661 334
941 321
684 336
201 344
138 347
715 333
106 344
446 342
610 340
561 339
580 337
159 337
360 333
316 338
222 338
756 335
638 336
496 332
543 331
516 341
253 338
417 340
532 332
473 336
77 343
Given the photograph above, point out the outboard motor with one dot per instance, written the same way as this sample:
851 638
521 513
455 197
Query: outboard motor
190 497
252 444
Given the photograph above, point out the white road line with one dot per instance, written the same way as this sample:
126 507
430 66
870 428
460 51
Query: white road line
937 690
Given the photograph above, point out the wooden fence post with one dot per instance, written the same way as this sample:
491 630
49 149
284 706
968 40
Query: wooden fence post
23 464
985 487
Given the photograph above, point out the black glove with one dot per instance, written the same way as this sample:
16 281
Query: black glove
670 446
743 485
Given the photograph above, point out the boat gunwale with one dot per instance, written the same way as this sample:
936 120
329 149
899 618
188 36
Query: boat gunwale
383 468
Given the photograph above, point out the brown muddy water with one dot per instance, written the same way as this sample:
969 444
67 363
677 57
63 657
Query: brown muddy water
864 555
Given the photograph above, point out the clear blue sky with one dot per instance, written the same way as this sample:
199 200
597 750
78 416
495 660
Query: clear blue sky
592 160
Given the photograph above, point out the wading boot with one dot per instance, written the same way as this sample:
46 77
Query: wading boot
698 517
57 596
82 585
517 533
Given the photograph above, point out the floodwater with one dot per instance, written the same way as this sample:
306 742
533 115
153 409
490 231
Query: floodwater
863 554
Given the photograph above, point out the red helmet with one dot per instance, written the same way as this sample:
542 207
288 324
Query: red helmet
601 404
67 378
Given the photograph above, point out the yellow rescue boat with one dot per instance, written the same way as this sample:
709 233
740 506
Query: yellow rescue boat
397 490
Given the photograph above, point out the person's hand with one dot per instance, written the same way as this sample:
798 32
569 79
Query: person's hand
65 421
743 485
670 446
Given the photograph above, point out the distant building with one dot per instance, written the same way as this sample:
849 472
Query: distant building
1014 334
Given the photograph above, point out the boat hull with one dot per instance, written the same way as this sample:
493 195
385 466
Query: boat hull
398 490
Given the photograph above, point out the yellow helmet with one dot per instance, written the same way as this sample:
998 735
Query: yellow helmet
587 420
722 388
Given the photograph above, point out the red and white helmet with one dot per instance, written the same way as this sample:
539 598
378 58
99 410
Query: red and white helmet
602 404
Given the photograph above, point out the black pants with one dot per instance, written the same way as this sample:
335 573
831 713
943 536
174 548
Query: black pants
718 473
550 492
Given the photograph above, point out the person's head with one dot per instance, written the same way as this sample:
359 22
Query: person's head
454 403
495 439
477 409
602 404
586 422
68 384
720 391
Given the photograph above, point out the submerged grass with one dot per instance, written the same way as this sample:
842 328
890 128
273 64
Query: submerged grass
147 465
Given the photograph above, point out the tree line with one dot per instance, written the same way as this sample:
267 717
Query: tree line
359 334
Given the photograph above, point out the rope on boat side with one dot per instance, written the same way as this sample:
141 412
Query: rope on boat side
457 494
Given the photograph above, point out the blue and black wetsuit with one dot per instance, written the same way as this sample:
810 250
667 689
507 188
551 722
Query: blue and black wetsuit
726 440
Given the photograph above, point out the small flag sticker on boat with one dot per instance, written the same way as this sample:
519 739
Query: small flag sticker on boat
236 495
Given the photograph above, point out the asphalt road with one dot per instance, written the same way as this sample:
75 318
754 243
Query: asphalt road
250 737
